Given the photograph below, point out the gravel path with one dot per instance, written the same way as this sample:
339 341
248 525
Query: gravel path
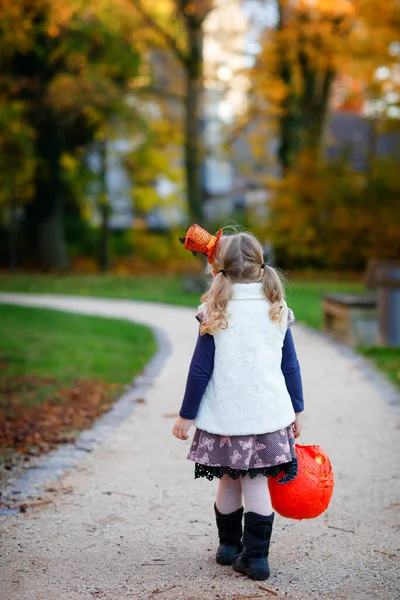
130 521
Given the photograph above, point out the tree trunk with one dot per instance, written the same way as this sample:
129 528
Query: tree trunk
302 124
289 121
104 246
314 106
289 143
45 213
193 124
104 207
12 238
304 115
51 241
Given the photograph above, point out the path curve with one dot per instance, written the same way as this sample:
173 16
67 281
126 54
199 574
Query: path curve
134 521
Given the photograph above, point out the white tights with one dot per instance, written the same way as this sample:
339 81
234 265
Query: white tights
255 492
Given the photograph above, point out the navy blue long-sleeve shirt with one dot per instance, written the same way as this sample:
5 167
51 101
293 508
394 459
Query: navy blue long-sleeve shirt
202 365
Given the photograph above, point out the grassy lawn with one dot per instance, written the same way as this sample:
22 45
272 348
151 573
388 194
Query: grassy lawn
303 297
386 359
152 288
58 371
65 345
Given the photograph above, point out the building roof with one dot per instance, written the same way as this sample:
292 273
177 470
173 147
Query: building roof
360 137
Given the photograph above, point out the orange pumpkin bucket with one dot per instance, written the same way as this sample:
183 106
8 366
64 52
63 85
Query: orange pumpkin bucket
309 494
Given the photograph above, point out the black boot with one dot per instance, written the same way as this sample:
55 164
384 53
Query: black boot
230 535
253 561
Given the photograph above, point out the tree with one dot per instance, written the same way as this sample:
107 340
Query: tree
310 43
322 215
181 32
68 74
16 149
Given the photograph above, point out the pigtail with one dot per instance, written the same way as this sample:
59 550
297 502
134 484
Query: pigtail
274 291
239 259
217 298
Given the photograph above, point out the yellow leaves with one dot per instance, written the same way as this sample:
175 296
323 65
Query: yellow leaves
61 13
327 8
74 94
76 61
63 92
321 211
15 28
69 162
331 216
93 115
145 198
78 65
321 36
53 31
17 159
143 78
190 9
277 92
200 8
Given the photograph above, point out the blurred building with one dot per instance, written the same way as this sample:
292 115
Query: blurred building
228 44
358 125
117 185
360 138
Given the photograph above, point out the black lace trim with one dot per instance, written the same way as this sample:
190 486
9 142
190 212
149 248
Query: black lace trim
290 470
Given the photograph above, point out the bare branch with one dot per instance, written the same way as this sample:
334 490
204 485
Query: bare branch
194 14
170 41
161 92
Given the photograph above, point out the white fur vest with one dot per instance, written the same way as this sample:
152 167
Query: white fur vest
247 392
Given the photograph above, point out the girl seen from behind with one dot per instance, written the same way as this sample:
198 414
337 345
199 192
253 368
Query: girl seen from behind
243 393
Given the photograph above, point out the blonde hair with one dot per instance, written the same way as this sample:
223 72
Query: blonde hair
240 257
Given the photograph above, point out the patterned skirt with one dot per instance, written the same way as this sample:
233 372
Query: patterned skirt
264 454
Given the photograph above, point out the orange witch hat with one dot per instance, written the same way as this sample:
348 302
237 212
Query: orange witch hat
198 239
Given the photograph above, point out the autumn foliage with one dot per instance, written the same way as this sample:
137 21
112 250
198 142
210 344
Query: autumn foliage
79 77
326 215
66 69
59 372
40 427
302 55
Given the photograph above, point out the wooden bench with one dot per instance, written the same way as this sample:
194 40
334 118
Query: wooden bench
351 319
384 276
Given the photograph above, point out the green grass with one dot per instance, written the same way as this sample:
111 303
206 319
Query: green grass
151 288
66 346
58 372
386 359
303 297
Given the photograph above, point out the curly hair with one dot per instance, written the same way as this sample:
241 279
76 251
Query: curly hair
238 259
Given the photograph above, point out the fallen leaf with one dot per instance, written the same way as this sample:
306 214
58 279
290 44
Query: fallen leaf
32 428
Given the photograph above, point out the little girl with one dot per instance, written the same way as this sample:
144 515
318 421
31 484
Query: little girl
243 393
